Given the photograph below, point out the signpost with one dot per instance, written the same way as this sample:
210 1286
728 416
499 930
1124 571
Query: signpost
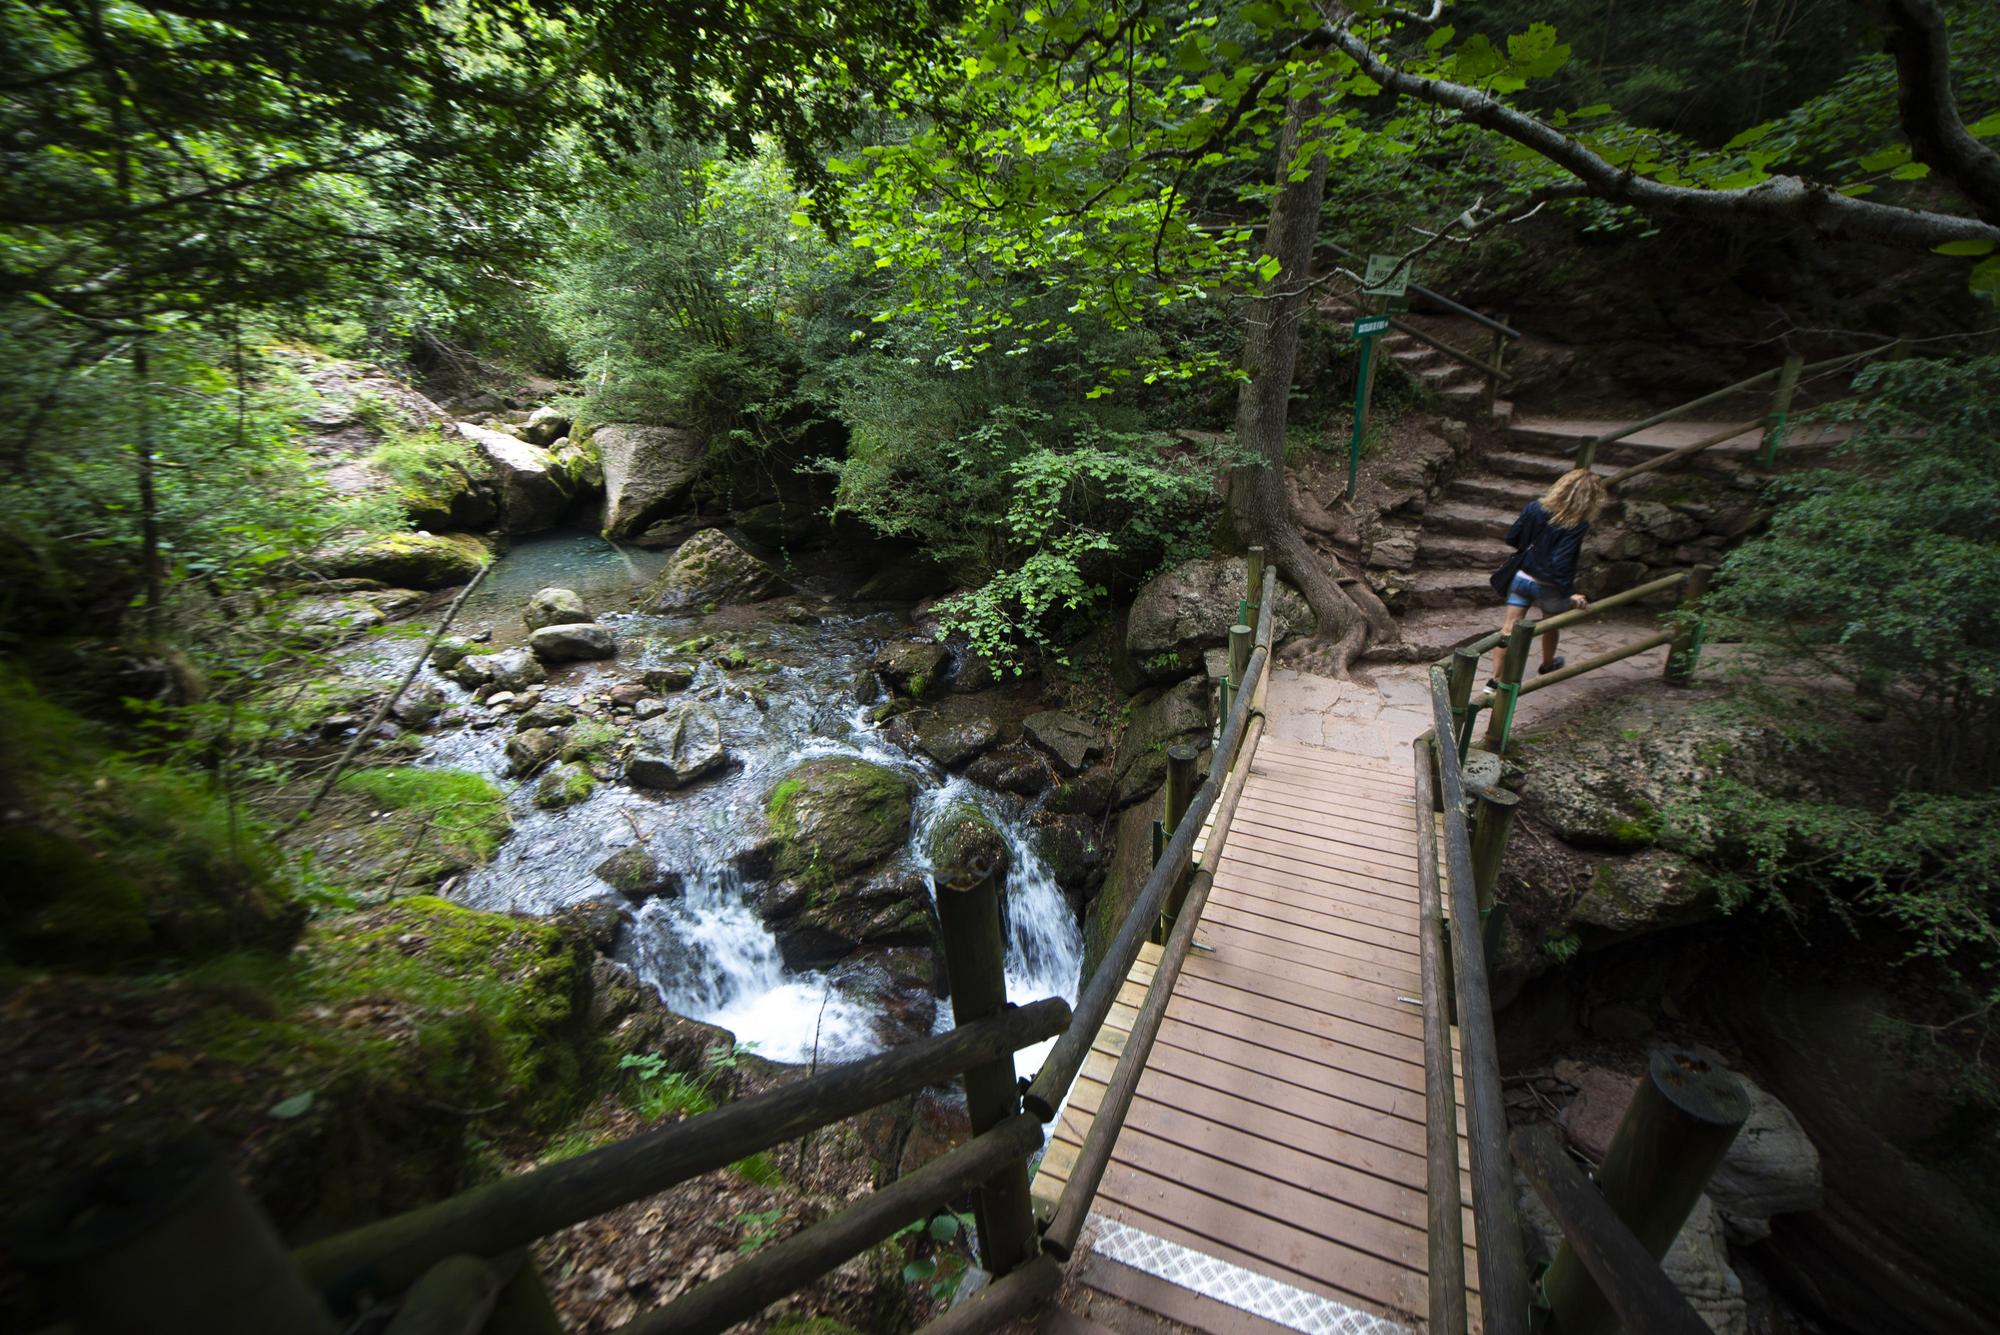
1368 328
1387 278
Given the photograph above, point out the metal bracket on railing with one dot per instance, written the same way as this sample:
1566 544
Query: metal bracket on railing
1694 645
1512 690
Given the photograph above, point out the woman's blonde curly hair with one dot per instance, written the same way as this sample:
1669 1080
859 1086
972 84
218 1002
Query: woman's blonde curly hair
1576 498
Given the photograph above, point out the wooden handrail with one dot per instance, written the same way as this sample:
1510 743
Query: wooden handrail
1586 453
1646 1301
1446 1230
1562 620
1045 1093
751 1285
497 1217
1447 349
1503 1277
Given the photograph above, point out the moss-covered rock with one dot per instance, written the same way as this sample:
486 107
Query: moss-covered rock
965 846
564 786
711 569
591 742
110 859
413 560
636 874
836 816
399 828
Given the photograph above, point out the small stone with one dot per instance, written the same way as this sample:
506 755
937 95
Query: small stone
625 694
544 714
564 786
667 678
1073 742
635 873
529 751
572 641
500 700
952 742
554 607
674 750
648 708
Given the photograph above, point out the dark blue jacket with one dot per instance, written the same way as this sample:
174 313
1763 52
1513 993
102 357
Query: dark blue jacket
1547 551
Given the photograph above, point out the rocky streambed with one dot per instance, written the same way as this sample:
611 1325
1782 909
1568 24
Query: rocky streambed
753 789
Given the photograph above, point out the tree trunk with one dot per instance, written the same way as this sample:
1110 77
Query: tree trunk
1258 503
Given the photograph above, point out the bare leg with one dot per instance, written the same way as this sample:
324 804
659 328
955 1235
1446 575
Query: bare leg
1549 638
1514 615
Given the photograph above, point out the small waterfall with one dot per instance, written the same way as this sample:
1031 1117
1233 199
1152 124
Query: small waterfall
712 958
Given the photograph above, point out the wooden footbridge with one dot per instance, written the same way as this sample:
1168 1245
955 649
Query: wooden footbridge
1276 1106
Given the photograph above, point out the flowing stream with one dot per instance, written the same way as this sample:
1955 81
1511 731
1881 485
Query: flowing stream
707 950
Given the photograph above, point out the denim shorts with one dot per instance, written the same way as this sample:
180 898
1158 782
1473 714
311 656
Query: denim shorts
1545 596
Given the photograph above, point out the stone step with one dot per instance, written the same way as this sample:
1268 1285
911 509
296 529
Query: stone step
1565 436
1450 587
1473 520
1441 629
1544 468
1494 490
1452 549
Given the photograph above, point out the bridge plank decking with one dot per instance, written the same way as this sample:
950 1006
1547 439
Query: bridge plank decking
1279 1124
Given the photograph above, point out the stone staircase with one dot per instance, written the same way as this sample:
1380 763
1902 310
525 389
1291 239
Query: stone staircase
1459 537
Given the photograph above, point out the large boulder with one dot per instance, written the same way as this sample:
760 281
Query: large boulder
534 489
1649 891
1073 742
818 925
1771 1168
546 425
1697 1262
710 568
529 750
678 747
914 667
1181 712
1183 610
964 846
1069 847
412 560
953 740
836 816
648 472
567 644
554 607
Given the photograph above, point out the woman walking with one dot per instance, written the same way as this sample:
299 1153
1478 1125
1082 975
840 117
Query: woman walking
1547 540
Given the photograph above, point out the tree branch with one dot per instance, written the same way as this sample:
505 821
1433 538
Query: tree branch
1784 199
1931 123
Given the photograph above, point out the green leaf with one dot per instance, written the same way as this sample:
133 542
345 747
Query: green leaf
1750 136
944 1228
1974 247
920 1269
1440 39
1475 59
1985 127
1893 156
295 1106
1911 171
1985 280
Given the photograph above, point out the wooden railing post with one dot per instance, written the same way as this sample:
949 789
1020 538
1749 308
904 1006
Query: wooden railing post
1460 675
1253 560
1496 350
1513 665
974 955
1240 638
1781 408
1492 821
1181 759
167 1240
1684 651
1680 1123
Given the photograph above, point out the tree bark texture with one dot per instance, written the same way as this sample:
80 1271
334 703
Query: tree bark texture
1258 501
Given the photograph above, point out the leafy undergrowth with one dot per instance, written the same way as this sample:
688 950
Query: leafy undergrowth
372 1069
402 829
606 1271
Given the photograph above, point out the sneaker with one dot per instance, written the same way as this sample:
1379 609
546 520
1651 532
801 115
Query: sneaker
1554 663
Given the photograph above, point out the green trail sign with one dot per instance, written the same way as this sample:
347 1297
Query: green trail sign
1368 328
1385 276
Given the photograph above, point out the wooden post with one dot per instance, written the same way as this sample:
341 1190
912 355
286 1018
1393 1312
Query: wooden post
1253 559
454 1297
1781 408
1512 665
1464 670
1684 651
1492 819
974 955
1181 782
524 1306
1681 1121
1239 653
166 1240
